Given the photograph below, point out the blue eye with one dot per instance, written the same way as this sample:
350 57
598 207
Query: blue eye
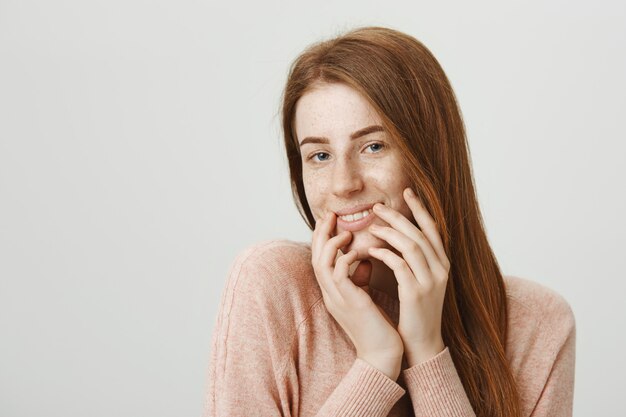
320 153
380 145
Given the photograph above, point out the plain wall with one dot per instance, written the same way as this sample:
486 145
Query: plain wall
140 151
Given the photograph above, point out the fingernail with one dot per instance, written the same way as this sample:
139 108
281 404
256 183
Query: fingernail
410 192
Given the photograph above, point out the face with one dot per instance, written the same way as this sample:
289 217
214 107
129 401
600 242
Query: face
348 162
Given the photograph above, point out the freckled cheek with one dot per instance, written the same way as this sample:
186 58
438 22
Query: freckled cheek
316 190
392 182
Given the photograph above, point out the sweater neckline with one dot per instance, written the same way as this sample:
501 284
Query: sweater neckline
385 300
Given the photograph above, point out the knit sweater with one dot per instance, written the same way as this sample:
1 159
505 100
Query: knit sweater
277 351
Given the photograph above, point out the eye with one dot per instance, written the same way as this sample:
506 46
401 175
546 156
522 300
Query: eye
321 154
376 147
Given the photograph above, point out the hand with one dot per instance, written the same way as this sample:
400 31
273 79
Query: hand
371 331
422 275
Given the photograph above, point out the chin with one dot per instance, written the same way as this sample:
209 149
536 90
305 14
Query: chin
361 242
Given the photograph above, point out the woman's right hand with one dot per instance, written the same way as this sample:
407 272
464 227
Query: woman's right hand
368 327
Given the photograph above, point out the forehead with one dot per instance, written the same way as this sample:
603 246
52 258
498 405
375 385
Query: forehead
333 110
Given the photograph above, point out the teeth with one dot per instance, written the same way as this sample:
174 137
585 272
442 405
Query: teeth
355 216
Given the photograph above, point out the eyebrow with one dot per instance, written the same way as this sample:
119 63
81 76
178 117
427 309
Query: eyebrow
355 135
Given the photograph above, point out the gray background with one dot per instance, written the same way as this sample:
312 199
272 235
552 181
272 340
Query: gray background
140 151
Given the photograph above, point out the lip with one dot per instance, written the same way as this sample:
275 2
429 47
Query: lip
354 209
357 224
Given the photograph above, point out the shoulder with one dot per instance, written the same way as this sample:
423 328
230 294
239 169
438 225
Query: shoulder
537 300
260 308
278 261
277 276
538 315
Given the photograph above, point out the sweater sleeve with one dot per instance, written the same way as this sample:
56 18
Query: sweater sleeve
435 388
251 367
364 391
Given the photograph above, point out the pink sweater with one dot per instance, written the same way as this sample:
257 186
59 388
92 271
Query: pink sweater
276 351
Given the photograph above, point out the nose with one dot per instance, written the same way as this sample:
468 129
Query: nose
347 177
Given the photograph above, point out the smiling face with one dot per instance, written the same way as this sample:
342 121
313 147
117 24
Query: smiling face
348 162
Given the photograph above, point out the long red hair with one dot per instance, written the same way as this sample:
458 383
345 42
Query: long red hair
404 82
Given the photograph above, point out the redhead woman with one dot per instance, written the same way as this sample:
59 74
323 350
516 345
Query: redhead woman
397 306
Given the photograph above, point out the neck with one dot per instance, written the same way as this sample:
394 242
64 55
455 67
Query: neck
383 278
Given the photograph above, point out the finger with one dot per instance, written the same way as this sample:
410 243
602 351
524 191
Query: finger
318 233
342 266
416 254
400 268
321 234
320 237
328 253
399 222
394 218
427 224
341 277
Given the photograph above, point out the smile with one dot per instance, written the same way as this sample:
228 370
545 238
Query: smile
356 216
356 221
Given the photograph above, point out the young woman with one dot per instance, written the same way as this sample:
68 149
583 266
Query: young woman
397 306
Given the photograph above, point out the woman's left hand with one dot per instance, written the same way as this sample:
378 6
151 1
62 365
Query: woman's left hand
422 275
